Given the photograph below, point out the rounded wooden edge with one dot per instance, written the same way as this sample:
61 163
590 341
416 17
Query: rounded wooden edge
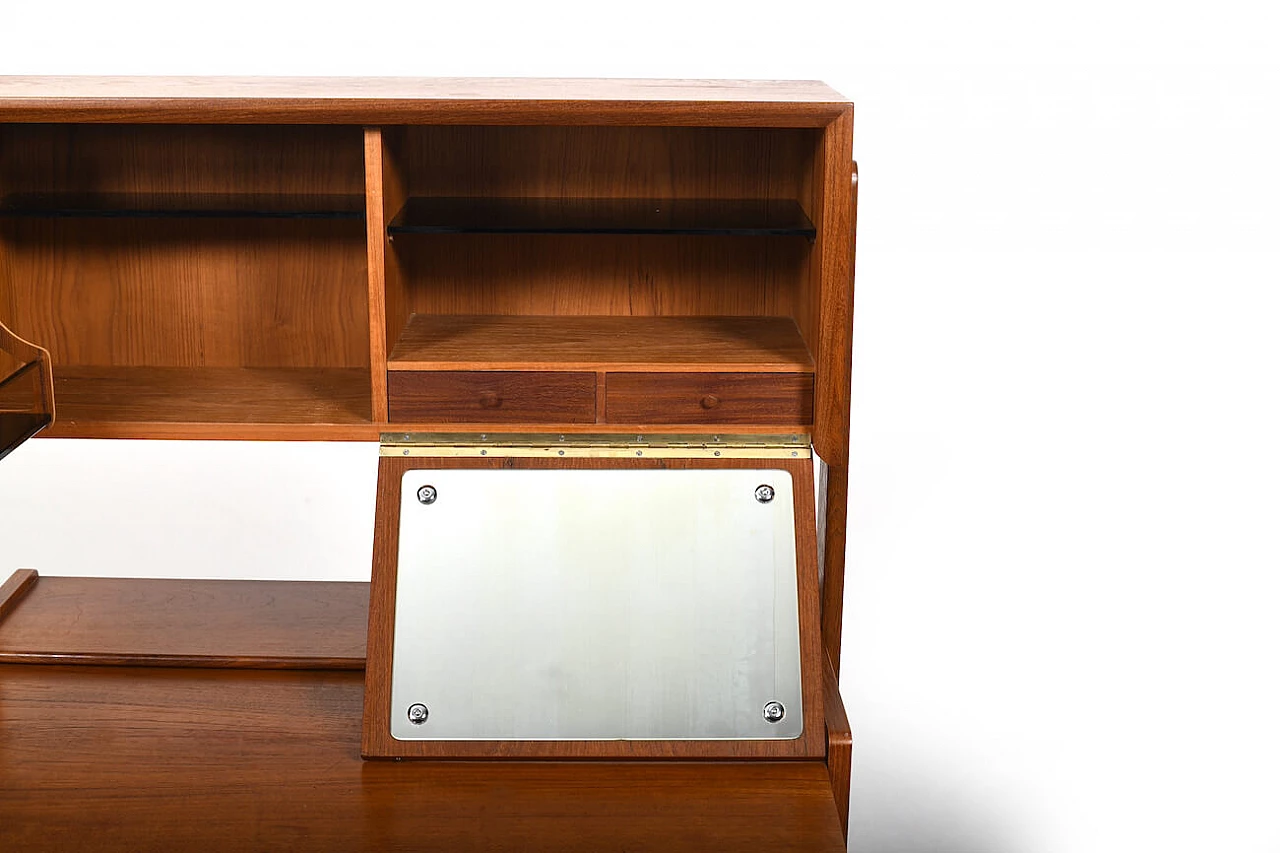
13 590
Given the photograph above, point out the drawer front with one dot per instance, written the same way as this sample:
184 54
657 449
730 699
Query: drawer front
709 398
496 396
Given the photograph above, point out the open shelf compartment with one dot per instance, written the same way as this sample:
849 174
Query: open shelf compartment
191 280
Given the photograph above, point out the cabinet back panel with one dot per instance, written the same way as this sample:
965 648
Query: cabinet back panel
607 162
178 159
643 275
188 293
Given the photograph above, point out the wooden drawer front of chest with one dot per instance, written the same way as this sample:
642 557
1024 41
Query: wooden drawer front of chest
709 398
496 396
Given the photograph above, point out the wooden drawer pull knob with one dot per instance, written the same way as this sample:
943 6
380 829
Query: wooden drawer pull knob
490 400
710 401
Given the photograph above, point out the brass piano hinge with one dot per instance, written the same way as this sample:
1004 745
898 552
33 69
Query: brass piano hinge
597 445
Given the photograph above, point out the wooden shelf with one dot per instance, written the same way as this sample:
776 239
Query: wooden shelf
745 217
630 344
181 206
210 395
191 623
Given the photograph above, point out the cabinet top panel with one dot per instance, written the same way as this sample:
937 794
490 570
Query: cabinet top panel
440 100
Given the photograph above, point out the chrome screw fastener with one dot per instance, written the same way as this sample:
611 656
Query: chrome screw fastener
427 495
773 712
418 714
764 494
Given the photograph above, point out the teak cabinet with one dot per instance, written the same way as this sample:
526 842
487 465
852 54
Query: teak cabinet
350 259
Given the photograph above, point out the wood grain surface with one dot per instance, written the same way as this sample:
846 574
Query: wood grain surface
501 396
392 100
715 398
188 293
599 274
839 744
197 623
13 590
589 161
376 249
214 395
181 292
377 741
119 759
450 342
182 165
833 267
773 217
834 508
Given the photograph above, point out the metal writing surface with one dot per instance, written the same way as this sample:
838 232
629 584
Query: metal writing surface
614 604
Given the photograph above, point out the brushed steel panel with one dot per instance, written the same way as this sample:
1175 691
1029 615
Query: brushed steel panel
574 604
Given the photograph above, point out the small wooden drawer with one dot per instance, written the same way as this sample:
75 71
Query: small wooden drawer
709 398
491 396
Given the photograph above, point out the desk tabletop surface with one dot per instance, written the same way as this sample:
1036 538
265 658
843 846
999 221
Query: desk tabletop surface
220 715
134 759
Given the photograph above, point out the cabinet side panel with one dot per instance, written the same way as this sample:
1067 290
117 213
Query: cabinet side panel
833 252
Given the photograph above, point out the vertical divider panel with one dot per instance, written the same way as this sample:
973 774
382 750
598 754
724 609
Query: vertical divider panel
395 191
385 194
375 219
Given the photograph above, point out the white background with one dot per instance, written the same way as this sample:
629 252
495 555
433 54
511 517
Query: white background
1061 627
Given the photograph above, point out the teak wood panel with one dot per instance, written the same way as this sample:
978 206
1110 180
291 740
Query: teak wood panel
681 344
834 510
377 741
839 744
441 100
596 274
376 253
498 395
139 760
175 293
709 398
367 431
182 161
833 288
605 162
186 623
13 590
240 625
93 396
